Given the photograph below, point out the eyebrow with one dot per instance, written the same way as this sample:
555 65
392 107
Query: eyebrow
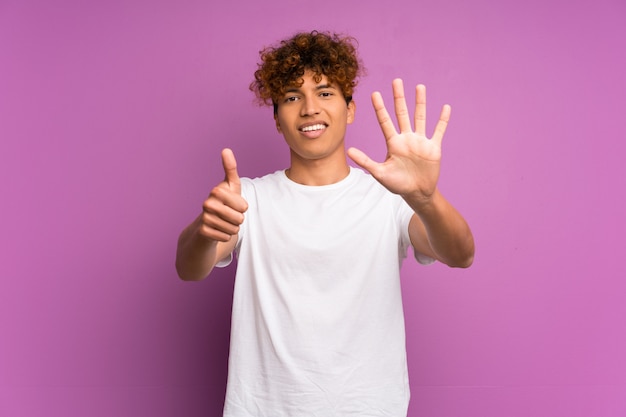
317 87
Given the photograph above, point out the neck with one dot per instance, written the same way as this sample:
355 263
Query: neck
317 172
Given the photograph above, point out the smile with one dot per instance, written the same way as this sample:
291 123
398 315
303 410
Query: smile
313 128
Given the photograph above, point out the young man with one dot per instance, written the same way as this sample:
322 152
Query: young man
317 321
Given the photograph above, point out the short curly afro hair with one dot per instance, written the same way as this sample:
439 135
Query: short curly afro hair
325 54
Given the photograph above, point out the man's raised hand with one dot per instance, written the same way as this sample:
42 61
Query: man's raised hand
412 165
223 209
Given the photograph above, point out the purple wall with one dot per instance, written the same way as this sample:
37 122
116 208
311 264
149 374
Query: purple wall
112 116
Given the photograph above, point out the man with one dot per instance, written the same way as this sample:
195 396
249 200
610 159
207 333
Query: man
317 321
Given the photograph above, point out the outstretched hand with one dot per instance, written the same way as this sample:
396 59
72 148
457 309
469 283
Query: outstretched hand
411 168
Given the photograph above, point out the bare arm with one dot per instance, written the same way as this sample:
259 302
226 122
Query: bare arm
439 231
212 236
412 170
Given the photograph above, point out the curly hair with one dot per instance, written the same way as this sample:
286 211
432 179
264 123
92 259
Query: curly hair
325 54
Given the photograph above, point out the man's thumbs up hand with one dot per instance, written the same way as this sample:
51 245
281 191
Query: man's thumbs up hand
223 209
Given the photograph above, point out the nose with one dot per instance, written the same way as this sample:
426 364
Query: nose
310 106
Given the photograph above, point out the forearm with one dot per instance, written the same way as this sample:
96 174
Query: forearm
196 255
446 231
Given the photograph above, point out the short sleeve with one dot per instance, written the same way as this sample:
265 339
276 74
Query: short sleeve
225 262
404 215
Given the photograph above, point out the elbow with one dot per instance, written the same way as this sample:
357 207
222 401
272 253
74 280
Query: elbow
186 275
467 258
182 274
463 258
180 271
465 262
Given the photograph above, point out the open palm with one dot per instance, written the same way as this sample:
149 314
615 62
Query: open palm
412 165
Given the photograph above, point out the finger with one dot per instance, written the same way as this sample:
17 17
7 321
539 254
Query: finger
230 170
364 161
216 234
399 102
420 110
223 198
219 224
386 124
221 217
442 124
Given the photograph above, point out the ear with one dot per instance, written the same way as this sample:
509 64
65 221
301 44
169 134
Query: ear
277 123
351 111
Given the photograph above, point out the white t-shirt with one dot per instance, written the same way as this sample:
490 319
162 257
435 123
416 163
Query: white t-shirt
317 322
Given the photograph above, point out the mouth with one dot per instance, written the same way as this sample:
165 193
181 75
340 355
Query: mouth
313 127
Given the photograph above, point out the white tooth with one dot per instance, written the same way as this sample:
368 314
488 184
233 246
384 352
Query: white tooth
312 128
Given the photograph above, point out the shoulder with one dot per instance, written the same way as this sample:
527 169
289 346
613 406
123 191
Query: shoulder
367 183
265 180
362 178
375 193
253 187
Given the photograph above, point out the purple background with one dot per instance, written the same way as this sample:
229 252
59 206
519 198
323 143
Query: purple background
112 116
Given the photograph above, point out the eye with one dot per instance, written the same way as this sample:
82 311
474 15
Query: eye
326 94
290 99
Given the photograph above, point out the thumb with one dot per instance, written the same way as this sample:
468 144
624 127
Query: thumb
363 160
230 170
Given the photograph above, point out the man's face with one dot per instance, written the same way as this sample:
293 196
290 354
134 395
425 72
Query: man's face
313 118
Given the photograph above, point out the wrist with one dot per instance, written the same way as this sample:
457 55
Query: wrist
420 201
